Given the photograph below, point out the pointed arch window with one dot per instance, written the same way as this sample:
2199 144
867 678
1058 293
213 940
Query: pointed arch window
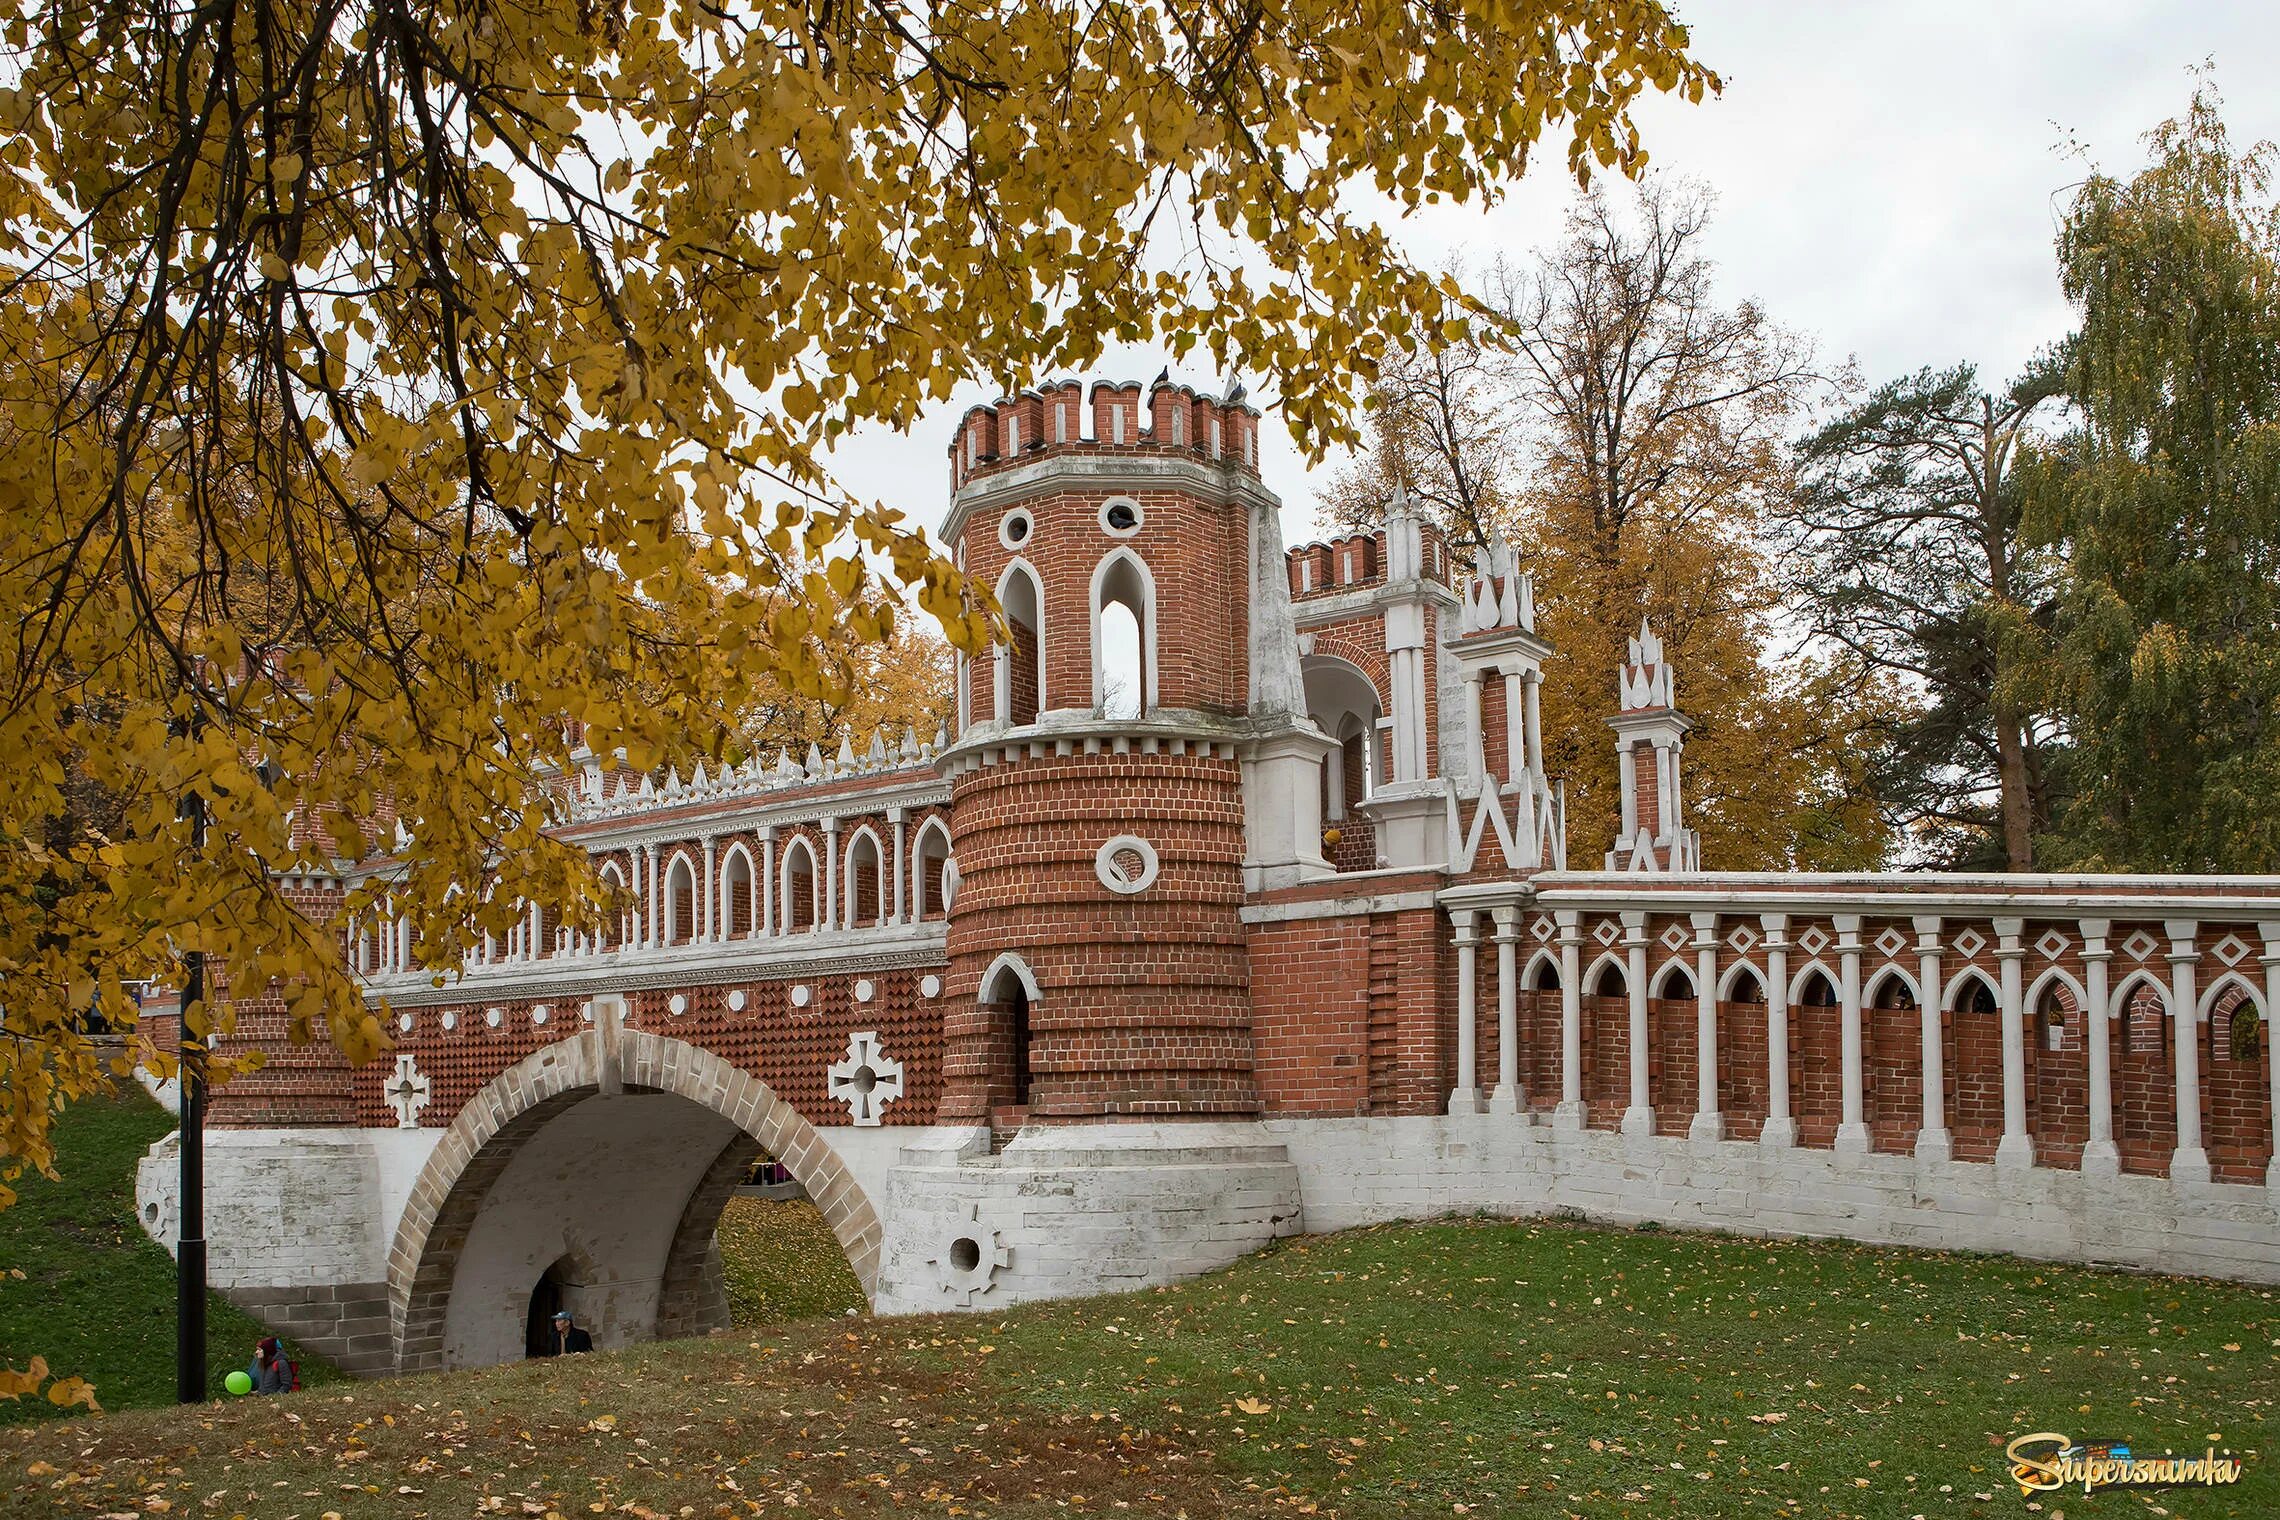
1124 636
1019 669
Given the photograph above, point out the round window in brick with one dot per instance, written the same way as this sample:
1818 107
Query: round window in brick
1120 517
1126 864
1015 527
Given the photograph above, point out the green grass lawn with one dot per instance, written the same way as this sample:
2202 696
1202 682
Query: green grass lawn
83 1286
1472 1367
780 1261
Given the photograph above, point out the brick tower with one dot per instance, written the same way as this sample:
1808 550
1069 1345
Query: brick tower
1126 764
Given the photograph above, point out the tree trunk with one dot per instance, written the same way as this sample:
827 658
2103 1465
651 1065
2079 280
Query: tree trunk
2018 809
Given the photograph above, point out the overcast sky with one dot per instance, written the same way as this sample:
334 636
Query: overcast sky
1890 178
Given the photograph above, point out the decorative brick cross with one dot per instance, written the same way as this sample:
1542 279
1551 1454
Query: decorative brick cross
407 1092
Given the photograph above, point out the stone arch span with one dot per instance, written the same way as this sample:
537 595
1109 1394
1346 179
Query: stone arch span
677 1123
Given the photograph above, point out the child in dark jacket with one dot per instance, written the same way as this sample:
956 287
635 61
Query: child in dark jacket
272 1371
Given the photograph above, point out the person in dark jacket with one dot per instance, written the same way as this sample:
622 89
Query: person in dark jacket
271 1370
566 1338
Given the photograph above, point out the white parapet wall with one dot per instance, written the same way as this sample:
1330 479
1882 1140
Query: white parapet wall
1364 1171
1065 1211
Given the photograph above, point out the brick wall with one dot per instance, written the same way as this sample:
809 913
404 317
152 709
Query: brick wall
788 1046
1145 1000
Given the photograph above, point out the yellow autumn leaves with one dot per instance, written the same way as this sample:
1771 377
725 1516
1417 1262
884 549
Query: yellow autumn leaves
391 395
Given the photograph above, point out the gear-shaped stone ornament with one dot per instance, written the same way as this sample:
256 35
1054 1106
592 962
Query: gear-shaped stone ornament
971 1257
866 1079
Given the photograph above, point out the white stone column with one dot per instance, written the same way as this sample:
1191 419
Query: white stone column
1535 729
1780 1130
1570 1113
2016 1148
1708 1124
829 917
767 925
1464 1098
1516 756
656 899
1520 758
2189 1162
897 816
1627 768
709 894
2099 1156
1852 1129
1932 1139
1476 735
2271 934
1507 1097
1664 786
1639 1117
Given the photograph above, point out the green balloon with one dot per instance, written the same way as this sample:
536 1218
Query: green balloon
238 1382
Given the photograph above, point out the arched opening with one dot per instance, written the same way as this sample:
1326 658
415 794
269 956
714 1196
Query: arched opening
1817 991
1745 987
1124 637
2236 1086
680 902
1342 701
1009 994
866 898
736 892
2144 1077
930 858
1673 984
1606 1014
1019 668
1973 993
1891 991
801 891
617 923
1547 976
550 1192
2056 1020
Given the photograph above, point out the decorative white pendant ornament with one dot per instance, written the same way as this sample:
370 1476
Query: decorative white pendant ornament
407 1092
867 1079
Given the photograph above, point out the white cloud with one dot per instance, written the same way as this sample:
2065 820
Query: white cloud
1890 179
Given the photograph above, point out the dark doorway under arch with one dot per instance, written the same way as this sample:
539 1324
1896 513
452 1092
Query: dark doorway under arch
1018 1003
545 1299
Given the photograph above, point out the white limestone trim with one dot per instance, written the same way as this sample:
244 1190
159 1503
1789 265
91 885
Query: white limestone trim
1960 980
777 958
1341 907
1008 964
1113 875
1008 537
1875 985
2057 976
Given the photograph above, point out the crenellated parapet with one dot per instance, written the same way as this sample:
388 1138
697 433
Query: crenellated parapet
1056 419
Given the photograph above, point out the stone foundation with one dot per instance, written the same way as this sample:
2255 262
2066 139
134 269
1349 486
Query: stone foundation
1365 1171
1065 1211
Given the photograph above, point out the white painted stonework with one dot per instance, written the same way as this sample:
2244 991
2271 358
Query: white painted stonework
1364 1171
1079 1209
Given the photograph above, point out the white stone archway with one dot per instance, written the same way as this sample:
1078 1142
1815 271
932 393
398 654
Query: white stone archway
642 1138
